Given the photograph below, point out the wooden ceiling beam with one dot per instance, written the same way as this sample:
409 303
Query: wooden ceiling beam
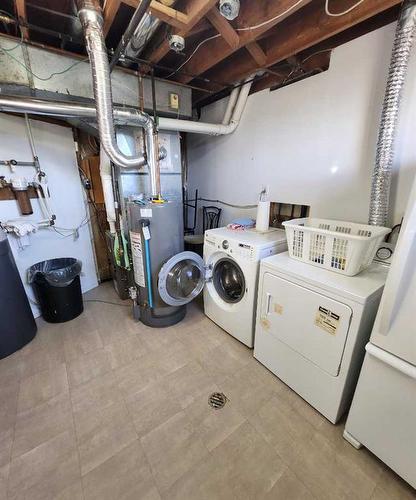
301 32
223 27
165 13
201 26
257 53
110 11
195 10
21 15
315 63
253 14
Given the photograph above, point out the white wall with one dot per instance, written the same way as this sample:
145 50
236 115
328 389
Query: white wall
312 142
56 152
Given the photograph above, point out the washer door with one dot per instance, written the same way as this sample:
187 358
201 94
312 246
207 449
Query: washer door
228 279
181 278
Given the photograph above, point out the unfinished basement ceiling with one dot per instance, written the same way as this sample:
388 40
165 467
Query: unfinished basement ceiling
288 40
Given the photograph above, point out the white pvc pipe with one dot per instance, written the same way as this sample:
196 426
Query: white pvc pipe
230 106
107 183
211 128
123 116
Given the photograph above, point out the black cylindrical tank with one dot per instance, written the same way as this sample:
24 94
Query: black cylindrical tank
17 324
164 221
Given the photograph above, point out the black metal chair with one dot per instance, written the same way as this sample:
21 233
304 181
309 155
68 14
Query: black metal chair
193 205
210 217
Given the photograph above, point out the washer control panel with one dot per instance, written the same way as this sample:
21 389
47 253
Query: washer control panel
240 249
244 250
231 247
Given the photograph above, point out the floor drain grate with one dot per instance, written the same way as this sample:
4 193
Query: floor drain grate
217 400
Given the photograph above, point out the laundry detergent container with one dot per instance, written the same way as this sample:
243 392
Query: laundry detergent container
17 325
57 287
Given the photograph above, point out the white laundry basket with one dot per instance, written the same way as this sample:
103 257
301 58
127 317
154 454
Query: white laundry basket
343 247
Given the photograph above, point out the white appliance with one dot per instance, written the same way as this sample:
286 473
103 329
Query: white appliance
228 274
312 327
230 296
383 411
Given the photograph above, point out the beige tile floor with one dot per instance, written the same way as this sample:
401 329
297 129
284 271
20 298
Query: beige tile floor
105 408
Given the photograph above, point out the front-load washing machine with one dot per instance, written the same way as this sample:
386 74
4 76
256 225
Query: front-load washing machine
312 326
228 274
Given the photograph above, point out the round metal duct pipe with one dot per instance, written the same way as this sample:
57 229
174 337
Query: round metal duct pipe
403 41
90 15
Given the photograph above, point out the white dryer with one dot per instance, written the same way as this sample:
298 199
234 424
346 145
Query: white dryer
228 274
312 327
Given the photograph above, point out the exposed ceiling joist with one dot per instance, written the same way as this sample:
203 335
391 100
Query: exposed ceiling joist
110 10
254 15
165 13
257 54
272 35
21 14
201 26
311 64
223 27
195 9
302 32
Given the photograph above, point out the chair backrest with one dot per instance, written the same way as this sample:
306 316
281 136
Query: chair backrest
211 217
189 204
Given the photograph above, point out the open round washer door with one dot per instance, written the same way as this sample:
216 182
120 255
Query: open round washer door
228 279
181 279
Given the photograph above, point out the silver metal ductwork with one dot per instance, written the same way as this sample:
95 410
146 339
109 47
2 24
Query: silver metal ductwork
144 31
403 41
90 15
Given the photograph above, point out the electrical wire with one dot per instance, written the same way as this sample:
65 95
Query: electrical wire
264 23
75 230
107 302
43 79
193 53
260 25
338 14
227 204
247 28
18 44
299 65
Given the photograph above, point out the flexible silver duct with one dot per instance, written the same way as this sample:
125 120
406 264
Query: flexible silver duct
403 41
90 15
144 31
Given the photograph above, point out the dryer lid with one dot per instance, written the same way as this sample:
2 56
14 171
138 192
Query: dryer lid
182 278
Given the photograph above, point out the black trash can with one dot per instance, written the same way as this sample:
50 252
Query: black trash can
17 325
57 288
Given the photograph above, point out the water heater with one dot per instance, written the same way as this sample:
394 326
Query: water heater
156 235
